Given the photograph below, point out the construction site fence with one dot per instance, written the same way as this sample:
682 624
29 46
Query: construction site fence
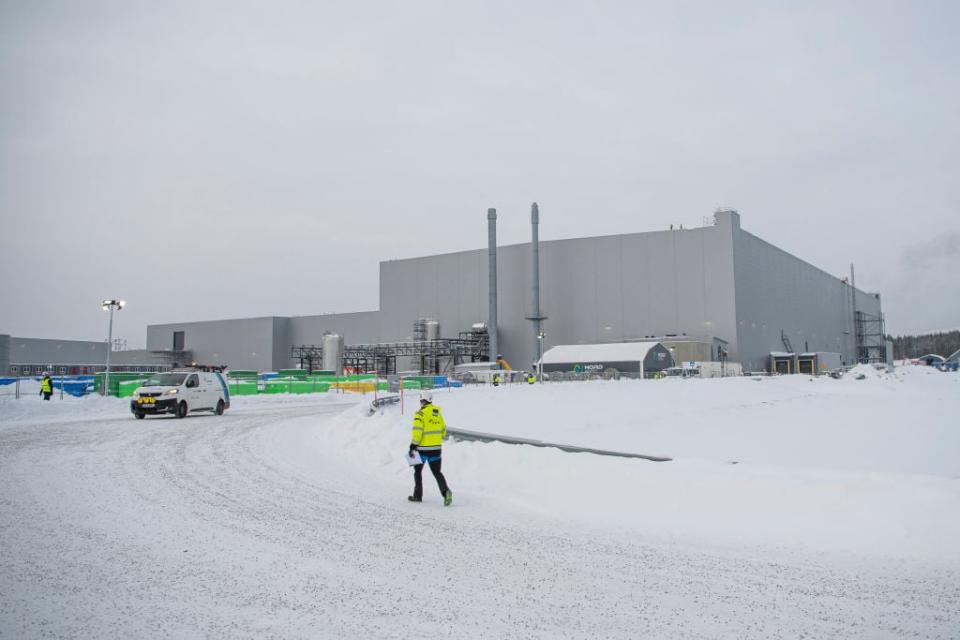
19 386
124 384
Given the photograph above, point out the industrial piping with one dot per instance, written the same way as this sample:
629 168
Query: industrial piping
492 262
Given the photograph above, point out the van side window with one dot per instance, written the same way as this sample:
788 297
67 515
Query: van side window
192 381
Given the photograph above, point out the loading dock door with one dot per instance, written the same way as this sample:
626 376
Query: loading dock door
805 366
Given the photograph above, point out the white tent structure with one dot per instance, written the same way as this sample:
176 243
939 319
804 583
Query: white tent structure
641 358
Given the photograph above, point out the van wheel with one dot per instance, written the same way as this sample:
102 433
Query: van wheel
139 415
181 409
220 407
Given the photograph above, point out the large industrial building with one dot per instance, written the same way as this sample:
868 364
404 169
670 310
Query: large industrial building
718 286
33 356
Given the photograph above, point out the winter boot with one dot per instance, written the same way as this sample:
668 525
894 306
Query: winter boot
447 498
412 499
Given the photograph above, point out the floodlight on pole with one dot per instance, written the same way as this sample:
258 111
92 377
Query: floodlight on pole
540 336
110 305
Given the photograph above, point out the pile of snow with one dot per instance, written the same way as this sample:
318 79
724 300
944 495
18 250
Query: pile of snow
785 421
819 464
864 371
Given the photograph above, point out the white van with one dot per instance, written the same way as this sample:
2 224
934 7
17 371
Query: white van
178 392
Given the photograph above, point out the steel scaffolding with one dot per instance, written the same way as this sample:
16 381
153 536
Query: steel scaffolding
871 337
430 356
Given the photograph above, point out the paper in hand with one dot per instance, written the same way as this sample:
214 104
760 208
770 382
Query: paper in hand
413 458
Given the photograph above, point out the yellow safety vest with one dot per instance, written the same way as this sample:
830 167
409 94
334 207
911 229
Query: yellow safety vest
46 385
429 429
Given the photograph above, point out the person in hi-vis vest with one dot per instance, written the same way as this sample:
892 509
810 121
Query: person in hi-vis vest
429 431
46 386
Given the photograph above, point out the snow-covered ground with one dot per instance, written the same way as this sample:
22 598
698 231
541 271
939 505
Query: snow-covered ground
287 517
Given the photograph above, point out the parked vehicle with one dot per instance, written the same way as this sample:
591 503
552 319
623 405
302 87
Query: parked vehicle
680 372
180 392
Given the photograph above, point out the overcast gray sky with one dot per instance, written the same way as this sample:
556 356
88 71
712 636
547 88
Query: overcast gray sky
209 160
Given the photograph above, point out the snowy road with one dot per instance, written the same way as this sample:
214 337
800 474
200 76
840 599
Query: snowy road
246 525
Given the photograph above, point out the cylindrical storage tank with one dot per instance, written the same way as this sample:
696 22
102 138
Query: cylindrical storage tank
333 353
479 327
432 329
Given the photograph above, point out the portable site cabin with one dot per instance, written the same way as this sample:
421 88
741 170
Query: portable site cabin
634 359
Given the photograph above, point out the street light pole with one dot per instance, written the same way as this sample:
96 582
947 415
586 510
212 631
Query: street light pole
110 305
540 337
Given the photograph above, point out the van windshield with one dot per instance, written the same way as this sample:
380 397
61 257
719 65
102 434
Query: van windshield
166 380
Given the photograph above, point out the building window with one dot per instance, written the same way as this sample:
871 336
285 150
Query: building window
14 369
178 340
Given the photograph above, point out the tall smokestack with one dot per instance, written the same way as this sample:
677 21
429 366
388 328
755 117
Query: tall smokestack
853 305
535 316
492 262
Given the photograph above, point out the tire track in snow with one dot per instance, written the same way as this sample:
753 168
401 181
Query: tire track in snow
199 528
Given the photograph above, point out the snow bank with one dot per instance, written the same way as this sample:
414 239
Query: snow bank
851 466
821 465
790 421
32 408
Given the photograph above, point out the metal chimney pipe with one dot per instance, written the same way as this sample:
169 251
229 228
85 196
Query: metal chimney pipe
492 266
535 316
853 304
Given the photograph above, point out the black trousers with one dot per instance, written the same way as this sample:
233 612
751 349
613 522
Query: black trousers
47 394
418 478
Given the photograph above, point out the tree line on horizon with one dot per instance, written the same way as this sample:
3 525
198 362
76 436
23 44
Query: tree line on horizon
942 343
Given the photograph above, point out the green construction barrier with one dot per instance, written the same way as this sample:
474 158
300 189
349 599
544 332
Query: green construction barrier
116 377
425 382
276 386
127 387
243 387
292 373
242 374
295 386
309 387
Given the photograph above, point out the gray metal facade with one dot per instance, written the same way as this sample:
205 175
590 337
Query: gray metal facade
601 289
44 352
4 354
262 344
717 281
247 343
30 356
777 292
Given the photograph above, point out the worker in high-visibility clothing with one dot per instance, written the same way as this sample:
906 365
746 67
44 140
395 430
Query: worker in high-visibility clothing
429 431
46 386
531 378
